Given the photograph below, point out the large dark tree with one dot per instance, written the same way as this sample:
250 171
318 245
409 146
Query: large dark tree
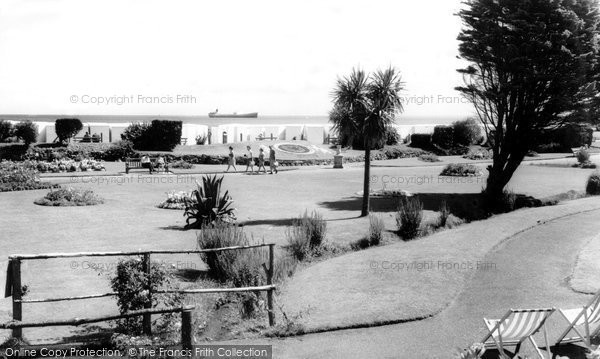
533 65
365 106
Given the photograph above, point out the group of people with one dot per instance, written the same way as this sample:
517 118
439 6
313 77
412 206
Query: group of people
249 159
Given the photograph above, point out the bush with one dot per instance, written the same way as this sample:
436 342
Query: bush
552 147
201 139
583 156
6 130
443 137
376 227
181 164
420 140
444 214
176 200
593 184
460 170
132 285
401 151
467 132
392 137
429 158
409 217
66 128
564 138
118 151
165 135
26 131
240 267
21 176
479 154
69 197
138 134
306 235
207 205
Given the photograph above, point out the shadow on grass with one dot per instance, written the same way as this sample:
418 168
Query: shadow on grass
468 206
270 222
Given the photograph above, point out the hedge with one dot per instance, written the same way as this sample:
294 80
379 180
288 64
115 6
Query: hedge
467 132
67 128
160 135
564 138
443 136
420 140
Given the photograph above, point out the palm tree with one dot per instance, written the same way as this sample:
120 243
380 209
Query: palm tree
364 108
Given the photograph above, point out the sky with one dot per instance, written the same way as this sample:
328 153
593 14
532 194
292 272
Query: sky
179 57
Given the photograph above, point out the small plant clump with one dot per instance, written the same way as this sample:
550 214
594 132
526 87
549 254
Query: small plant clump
133 284
409 217
181 164
444 214
70 197
460 170
306 235
593 184
429 158
176 200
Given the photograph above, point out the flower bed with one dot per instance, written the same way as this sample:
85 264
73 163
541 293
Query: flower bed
69 197
67 165
176 200
461 170
21 176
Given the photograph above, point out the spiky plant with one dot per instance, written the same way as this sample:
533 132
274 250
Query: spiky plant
209 205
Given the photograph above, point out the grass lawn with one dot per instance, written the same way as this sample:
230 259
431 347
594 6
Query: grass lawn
129 220
586 274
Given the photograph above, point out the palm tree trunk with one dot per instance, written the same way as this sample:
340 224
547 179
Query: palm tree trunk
367 181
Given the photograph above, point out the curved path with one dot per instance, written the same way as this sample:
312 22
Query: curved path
532 270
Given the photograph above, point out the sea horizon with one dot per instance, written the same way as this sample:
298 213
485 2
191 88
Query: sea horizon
205 120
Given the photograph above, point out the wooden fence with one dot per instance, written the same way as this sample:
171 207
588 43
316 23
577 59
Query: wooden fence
14 288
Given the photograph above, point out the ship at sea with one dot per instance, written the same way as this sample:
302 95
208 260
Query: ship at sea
216 114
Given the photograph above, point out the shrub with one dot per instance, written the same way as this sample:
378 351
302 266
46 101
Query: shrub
132 285
564 138
401 151
176 200
376 227
240 267
583 156
201 139
181 164
21 176
479 154
475 351
420 140
207 205
460 170
392 137
306 235
467 132
69 197
6 130
165 135
314 226
444 214
593 184
119 151
26 131
443 137
430 157
66 128
409 217
138 134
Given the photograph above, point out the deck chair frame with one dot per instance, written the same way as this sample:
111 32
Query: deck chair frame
500 343
587 338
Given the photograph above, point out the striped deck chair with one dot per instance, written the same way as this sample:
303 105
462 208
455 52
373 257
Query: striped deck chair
516 326
581 317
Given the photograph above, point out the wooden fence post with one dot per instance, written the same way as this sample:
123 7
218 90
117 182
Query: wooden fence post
147 318
17 296
186 328
270 282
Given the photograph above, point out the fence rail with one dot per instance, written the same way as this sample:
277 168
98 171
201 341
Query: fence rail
14 288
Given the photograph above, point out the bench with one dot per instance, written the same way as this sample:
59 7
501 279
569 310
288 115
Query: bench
183 141
89 139
331 140
263 137
136 163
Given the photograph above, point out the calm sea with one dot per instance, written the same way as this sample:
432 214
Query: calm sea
205 120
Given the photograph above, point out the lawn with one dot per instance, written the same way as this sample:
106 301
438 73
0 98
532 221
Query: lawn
129 220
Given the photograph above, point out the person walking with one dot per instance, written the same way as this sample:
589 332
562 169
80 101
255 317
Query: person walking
261 160
231 160
272 160
250 162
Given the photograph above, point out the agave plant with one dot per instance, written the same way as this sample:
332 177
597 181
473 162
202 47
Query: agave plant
206 205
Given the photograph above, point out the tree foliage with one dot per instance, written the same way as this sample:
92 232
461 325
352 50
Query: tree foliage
66 128
365 107
533 65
